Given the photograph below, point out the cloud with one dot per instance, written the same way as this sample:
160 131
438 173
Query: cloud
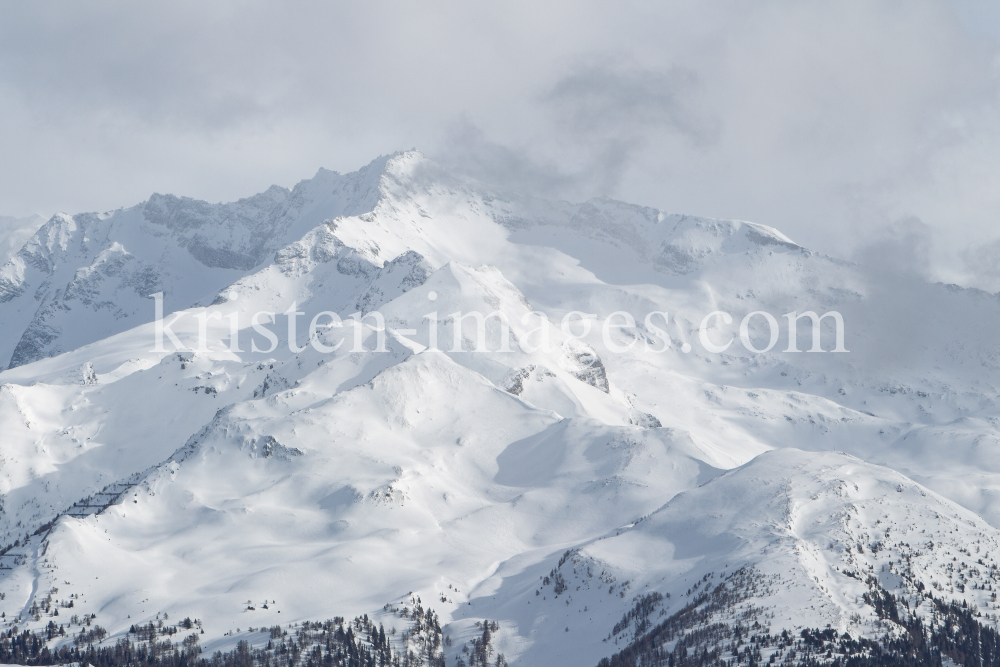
622 99
596 168
983 264
901 251
829 121
467 150
600 114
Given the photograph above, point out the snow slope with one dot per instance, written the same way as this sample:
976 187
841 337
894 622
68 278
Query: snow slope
418 462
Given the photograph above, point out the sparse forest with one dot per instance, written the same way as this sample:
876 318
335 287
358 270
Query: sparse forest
952 630
332 643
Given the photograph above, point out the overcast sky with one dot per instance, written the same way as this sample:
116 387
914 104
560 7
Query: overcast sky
840 123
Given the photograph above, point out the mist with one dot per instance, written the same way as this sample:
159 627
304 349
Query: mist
834 123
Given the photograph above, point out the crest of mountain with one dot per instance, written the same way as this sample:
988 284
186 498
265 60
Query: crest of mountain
82 278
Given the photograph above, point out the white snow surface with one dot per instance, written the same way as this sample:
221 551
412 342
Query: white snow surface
335 482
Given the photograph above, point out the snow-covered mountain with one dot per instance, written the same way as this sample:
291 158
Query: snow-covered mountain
619 494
